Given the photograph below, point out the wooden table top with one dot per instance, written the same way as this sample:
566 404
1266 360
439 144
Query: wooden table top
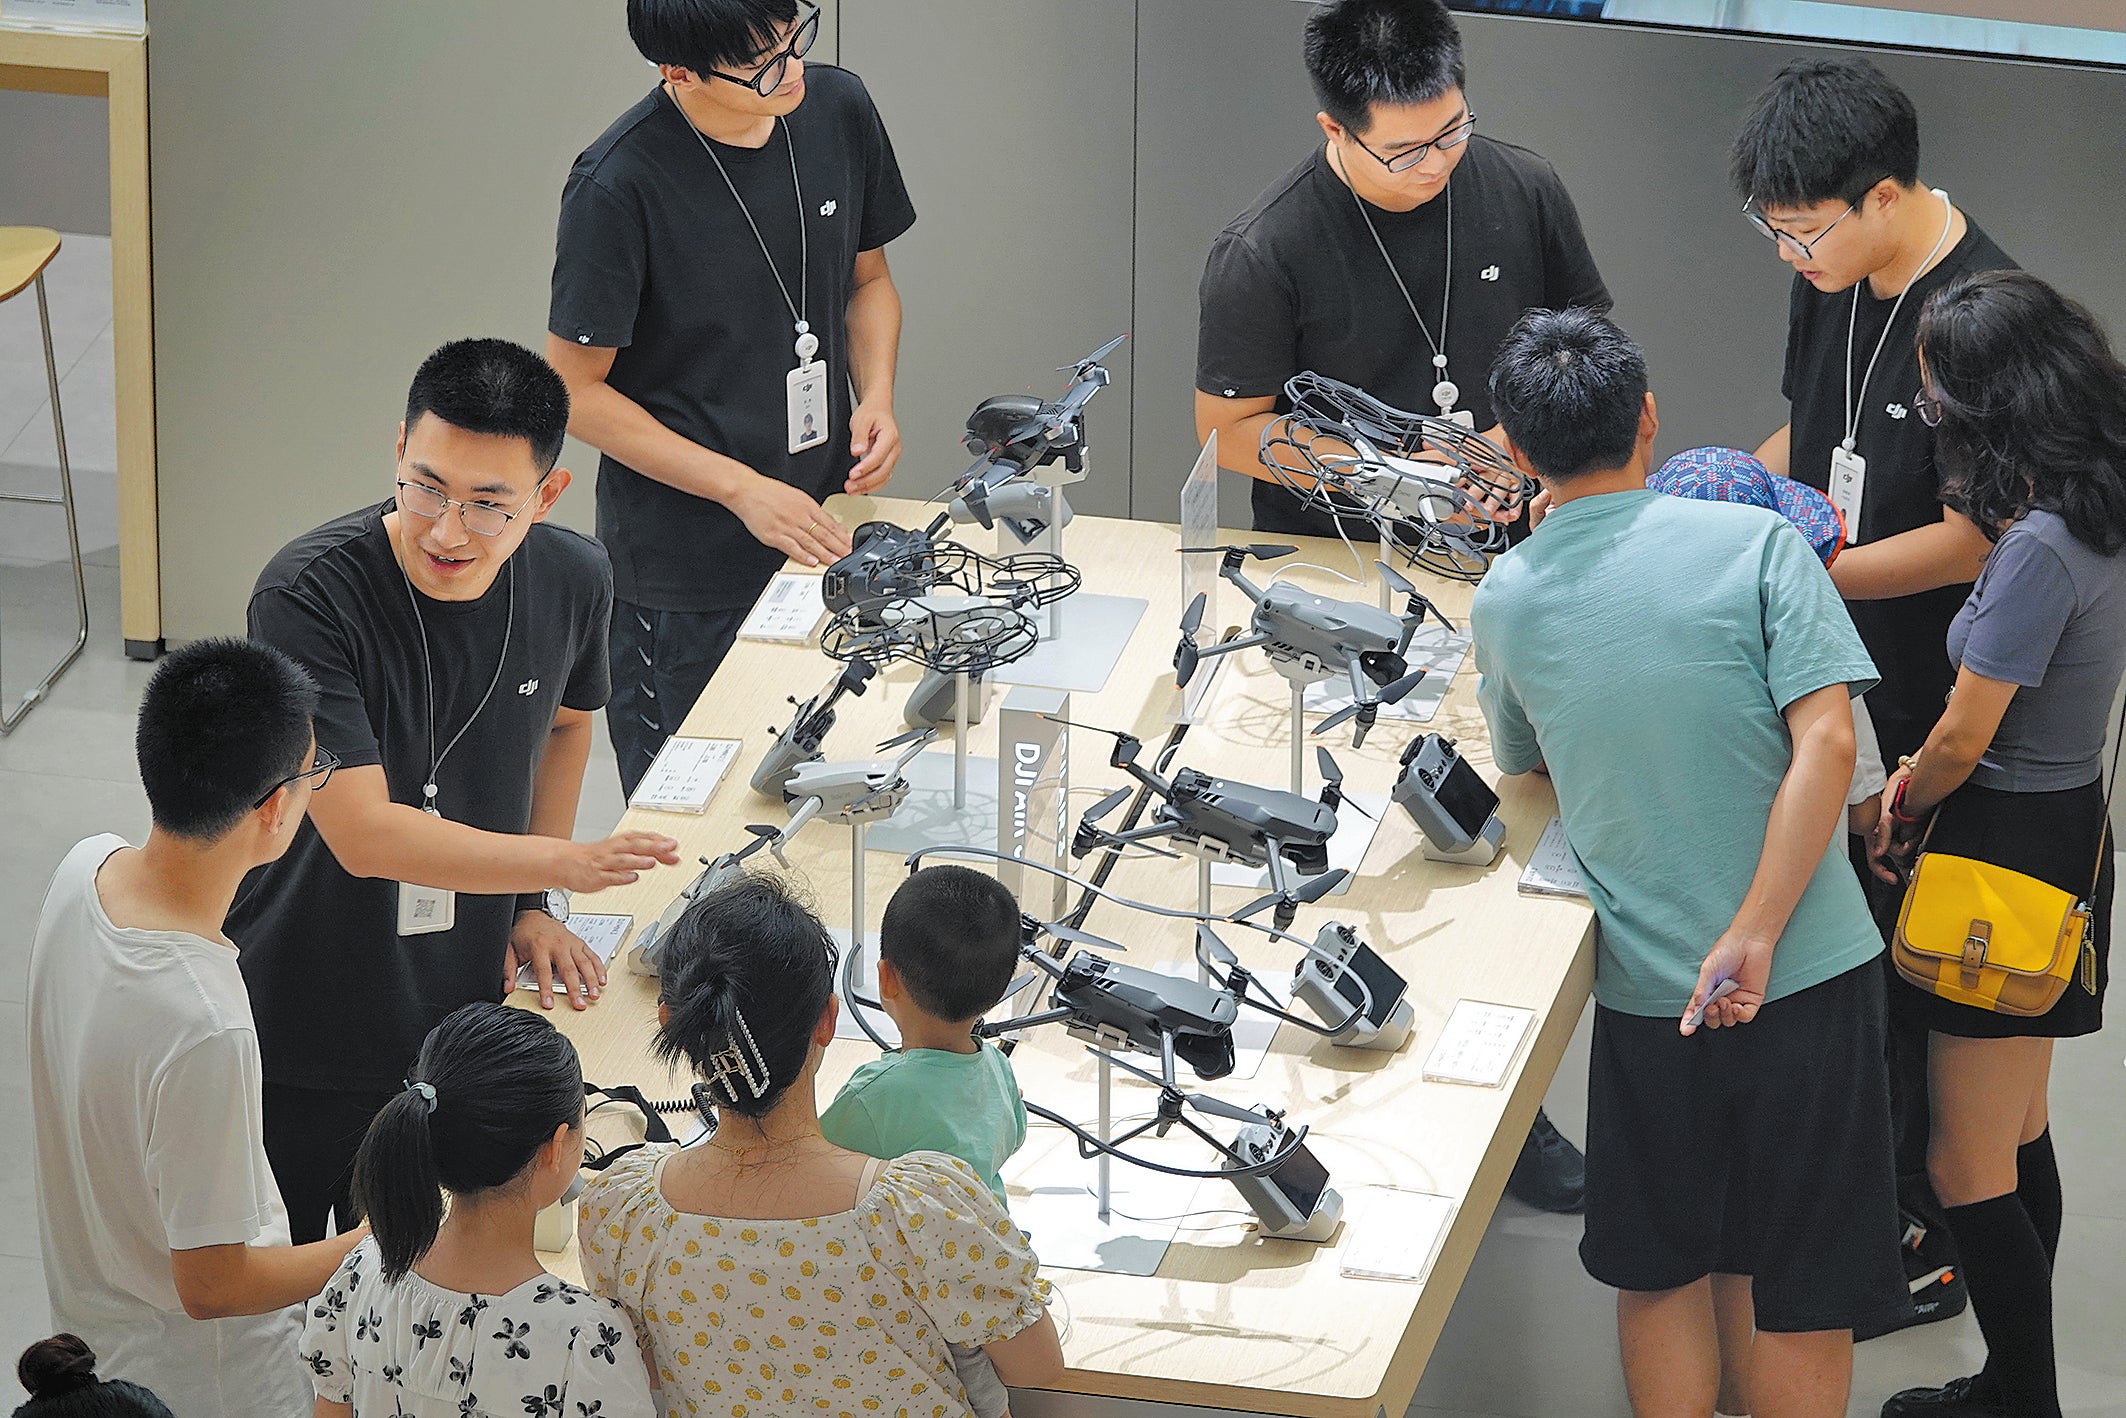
1231 1320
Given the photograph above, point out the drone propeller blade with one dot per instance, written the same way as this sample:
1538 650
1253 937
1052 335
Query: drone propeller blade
1201 1102
1096 356
1268 551
762 830
1394 693
1107 804
1341 716
1396 579
1186 658
1320 886
1331 773
1257 906
1089 728
1217 949
1016 986
900 740
1127 1067
1192 618
1085 938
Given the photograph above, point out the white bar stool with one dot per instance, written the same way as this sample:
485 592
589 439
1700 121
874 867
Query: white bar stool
24 253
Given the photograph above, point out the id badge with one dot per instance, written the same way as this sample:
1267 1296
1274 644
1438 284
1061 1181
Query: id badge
807 387
1464 417
1849 479
424 910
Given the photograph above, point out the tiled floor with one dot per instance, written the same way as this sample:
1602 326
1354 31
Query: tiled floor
1530 1337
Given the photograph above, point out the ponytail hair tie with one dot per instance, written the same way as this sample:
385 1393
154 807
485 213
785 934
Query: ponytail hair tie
427 1091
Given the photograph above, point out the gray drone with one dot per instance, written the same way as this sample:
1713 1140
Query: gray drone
1310 637
1013 435
799 743
647 957
849 792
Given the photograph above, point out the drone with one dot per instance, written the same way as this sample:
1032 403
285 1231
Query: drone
888 563
1227 821
808 728
849 792
1013 434
1310 637
1440 494
647 957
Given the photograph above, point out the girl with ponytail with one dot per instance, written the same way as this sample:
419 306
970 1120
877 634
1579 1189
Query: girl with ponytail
59 1374
756 1258
448 1311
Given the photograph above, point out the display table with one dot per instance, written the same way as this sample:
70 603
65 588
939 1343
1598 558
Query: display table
1231 1320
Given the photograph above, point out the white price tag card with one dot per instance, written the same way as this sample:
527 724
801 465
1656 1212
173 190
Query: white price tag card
602 934
789 610
685 774
1479 1044
1552 869
1392 1234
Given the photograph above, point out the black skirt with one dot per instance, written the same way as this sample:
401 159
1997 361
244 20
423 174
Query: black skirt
2053 837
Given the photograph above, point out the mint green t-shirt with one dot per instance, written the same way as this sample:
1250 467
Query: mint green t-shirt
1643 648
927 1100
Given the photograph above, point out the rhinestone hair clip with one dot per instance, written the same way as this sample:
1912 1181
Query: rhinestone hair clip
742 1062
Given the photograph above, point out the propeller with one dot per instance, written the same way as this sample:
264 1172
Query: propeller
1201 1102
1107 804
1261 551
1396 579
1096 356
1309 892
1208 942
1186 655
1085 938
1395 693
1016 986
902 740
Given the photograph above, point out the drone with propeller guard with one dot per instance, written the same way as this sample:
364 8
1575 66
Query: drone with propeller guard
1012 435
1311 637
1436 492
888 562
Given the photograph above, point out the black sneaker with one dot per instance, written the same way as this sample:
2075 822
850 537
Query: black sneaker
1550 1174
1958 1398
1936 1284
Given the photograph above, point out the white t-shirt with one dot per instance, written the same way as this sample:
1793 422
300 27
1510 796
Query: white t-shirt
144 1083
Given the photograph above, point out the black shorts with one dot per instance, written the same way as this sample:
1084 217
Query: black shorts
2053 837
1759 1150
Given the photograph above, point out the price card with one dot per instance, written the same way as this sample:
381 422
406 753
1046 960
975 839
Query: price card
602 934
1392 1234
788 611
1479 1044
1552 869
685 774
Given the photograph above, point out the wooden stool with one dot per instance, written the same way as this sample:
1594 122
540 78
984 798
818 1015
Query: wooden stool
24 253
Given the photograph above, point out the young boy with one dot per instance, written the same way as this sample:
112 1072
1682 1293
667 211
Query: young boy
947 948
165 1241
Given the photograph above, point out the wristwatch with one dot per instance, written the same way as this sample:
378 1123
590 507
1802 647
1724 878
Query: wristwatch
553 901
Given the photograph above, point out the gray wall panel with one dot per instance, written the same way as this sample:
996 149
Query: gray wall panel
1013 126
52 163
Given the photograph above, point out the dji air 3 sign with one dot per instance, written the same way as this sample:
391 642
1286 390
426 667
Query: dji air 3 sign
1033 792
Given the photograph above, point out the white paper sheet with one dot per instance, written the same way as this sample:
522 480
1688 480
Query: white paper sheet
1479 1044
1392 1234
603 934
1552 870
685 774
788 611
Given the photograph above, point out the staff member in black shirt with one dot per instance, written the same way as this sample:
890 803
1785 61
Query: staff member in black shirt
1828 165
724 318
1395 256
458 643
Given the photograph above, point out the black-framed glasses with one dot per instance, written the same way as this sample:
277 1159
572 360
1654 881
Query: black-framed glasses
1927 407
1807 248
768 77
320 768
483 517
1410 157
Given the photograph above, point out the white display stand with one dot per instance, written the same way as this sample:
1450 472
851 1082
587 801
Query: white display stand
1085 653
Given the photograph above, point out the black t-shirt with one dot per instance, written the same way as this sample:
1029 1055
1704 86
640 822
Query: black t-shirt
1906 637
656 260
342 999
1295 283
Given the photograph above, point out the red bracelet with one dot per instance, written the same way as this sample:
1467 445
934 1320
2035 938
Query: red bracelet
1897 804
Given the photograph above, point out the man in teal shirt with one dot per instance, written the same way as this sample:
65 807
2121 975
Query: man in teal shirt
1683 671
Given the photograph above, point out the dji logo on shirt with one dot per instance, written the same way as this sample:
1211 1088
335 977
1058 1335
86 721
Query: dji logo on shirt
1489 273
528 686
1896 411
826 208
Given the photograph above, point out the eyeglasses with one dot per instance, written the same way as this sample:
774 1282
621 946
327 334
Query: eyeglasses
1806 248
1410 157
768 77
320 768
1927 407
483 517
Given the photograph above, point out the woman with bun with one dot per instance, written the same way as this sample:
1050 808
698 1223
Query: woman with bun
59 1374
452 1314
774 1272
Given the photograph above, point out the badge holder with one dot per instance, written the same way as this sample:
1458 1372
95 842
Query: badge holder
1849 480
805 389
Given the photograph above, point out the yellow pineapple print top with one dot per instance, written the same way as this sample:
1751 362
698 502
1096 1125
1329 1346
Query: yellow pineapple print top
842 1316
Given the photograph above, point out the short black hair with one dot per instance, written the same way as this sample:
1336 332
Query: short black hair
1569 386
1363 52
953 934
2033 406
494 387
700 35
221 723
1825 130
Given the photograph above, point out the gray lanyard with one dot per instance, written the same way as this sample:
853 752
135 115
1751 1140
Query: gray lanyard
1446 393
428 676
807 342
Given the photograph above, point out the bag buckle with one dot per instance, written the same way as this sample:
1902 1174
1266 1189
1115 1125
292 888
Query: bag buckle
1974 960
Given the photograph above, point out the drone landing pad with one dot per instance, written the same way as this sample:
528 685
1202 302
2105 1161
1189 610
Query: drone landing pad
1055 1200
1096 629
928 818
1436 651
1347 849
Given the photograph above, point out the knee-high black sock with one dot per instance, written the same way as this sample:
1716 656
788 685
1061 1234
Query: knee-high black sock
2011 1292
2037 1182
